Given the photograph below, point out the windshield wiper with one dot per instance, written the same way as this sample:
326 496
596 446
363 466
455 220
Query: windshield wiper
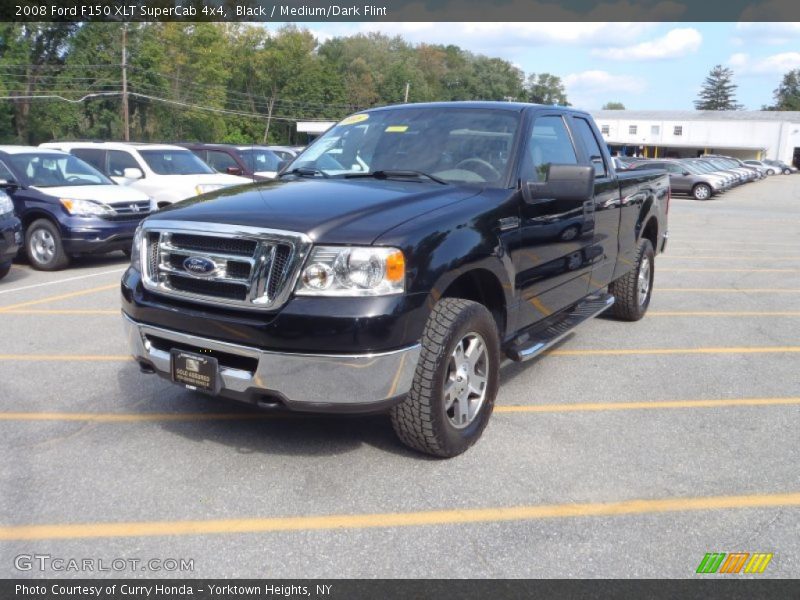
397 174
305 171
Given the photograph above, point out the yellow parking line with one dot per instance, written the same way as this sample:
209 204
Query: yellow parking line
649 351
656 405
66 311
711 313
577 352
66 357
395 519
134 417
102 288
678 270
728 290
257 416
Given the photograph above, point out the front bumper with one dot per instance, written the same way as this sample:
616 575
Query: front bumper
10 238
89 235
304 382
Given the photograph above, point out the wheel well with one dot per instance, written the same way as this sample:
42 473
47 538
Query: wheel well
480 285
35 216
651 233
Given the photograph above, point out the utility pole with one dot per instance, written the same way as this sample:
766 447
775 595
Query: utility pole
125 115
408 86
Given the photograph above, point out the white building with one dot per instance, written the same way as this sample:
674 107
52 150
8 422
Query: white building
744 134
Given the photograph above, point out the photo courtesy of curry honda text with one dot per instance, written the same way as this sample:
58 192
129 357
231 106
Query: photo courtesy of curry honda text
396 263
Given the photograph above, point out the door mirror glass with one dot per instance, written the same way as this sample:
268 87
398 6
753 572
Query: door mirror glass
561 182
233 171
132 173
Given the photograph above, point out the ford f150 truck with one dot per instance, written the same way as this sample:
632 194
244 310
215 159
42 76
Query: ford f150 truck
396 263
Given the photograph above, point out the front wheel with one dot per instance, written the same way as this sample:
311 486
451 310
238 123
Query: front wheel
455 384
44 247
701 192
4 269
787 171
632 291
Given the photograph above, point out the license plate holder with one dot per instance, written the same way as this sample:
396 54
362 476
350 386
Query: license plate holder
195 371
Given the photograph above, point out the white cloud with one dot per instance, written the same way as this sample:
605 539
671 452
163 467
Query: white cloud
590 89
676 43
776 64
773 34
496 39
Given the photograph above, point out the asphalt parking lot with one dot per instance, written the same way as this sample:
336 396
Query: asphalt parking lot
630 451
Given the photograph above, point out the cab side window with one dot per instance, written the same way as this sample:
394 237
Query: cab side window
590 145
5 172
118 161
550 143
220 161
96 158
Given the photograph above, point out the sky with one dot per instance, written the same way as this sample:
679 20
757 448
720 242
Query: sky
643 65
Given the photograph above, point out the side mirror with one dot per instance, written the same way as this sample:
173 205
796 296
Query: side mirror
8 184
685 173
233 171
561 182
132 173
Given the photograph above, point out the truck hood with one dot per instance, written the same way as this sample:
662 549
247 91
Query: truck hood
330 211
107 194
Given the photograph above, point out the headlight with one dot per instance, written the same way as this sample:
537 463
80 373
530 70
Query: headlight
6 205
136 247
204 188
353 271
86 208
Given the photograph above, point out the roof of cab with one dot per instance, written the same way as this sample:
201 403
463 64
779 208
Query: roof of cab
485 104
28 150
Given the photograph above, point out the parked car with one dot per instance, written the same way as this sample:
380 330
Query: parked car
285 152
736 163
734 177
253 162
684 181
166 173
781 167
720 163
401 287
10 232
68 207
767 168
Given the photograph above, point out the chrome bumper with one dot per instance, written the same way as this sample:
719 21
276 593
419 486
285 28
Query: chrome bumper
308 382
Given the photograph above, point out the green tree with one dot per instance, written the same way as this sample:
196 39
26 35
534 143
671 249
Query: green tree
613 106
718 91
787 94
545 88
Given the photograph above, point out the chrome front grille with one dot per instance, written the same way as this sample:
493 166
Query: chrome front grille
233 266
134 211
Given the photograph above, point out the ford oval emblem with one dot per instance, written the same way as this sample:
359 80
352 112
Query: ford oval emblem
199 265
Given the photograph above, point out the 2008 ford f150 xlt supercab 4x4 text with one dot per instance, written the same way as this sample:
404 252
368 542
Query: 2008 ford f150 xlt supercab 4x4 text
395 263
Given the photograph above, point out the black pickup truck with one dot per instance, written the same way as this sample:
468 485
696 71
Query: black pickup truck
396 263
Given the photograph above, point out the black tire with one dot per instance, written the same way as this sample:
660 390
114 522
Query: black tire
421 420
701 191
4 269
628 305
127 252
770 172
45 261
787 171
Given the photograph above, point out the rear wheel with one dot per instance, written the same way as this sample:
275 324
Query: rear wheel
632 291
455 384
770 172
787 171
701 191
44 247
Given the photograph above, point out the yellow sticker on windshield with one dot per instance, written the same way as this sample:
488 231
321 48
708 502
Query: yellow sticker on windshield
352 119
396 129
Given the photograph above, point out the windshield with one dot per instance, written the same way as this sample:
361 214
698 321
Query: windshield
56 170
174 162
457 145
260 160
701 167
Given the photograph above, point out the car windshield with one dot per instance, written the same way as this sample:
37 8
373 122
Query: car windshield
56 170
698 167
174 162
457 145
260 160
